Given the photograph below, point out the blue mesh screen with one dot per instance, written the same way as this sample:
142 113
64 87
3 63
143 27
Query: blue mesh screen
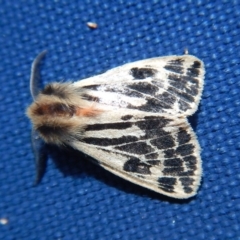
77 199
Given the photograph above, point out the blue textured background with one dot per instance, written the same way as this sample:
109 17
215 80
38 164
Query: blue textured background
76 199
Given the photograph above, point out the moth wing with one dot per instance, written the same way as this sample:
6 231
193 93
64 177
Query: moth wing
171 84
156 151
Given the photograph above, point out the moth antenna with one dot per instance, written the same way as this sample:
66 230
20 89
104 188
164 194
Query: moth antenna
38 145
35 75
40 153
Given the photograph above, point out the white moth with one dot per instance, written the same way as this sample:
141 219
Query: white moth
132 119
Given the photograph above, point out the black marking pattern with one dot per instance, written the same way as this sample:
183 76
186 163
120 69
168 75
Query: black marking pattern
178 165
142 73
152 122
181 95
178 162
153 105
134 165
167 98
182 88
163 143
126 117
187 182
175 66
183 136
185 149
144 87
173 162
136 147
109 141
90 97
193 72
152 156
184 79
180 82
105 126
167 183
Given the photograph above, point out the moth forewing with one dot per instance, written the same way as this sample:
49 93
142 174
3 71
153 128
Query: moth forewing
132 120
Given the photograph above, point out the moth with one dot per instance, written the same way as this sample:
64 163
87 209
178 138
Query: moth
131 119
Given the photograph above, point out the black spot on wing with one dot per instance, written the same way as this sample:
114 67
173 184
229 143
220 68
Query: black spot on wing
153 105
180 94
163 143
109 141
173 171
167 183
196 64
169 153
177 169
154 133
104 126
193 72
142 73
177 61
183 105
90 98
151 156
187 189
186 173
185 149
129 92
186 181
173 162
183 136
136 147
175 65
92 87
192 90
153 127
181 84
136 166
175 69
169 189
126 117
167 98
144 87
184 79
152 122
191 162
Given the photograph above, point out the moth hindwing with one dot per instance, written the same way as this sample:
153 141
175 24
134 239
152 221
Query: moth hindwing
131 119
